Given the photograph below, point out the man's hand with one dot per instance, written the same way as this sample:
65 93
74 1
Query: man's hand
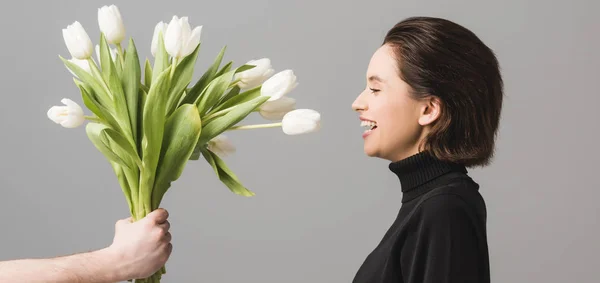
141 248
138 250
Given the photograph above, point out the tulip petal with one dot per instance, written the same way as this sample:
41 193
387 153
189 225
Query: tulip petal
77 41
186 30
279 85
160 27
111 24
301 121
221 145
276 110
193 41
68 116
55 114
173 37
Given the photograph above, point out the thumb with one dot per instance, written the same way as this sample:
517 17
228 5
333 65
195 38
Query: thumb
124 221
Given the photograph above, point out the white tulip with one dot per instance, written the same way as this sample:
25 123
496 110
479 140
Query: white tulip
68 116
180 39
257 75
275 110
221 146
78 41
160 27
279 85
111 24
84 64
301 121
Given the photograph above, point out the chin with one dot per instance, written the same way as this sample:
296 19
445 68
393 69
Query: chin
371 152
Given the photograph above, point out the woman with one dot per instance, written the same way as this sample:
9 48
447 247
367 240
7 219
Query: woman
432 107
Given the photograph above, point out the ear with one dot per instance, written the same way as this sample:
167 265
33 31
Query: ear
430 110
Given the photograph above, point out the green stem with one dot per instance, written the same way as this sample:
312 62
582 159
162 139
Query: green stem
258 126
232 84
93 119
133 182
173 67
120 51
217 114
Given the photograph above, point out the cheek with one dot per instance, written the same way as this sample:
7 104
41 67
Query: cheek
399 124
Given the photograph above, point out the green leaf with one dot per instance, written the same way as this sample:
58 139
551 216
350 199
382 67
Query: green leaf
121 109
244 67
104 97
181 79
123 182
219 125
238 99
147 73
226 176
153 125
96 107
105 58
143 95
144 88
196 153
213 92
119 64
207 77
225 69
99 135
161 61
182 131
124 146
235 90
222 100
131 86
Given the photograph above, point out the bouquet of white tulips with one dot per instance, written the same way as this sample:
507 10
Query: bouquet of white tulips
149 120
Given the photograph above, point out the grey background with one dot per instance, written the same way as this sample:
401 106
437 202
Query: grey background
321 204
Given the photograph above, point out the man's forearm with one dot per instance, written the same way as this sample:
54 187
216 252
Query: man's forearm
93 267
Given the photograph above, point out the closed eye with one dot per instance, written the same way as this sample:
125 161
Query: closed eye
374 90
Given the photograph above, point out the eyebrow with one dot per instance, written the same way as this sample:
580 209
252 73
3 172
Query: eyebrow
376 78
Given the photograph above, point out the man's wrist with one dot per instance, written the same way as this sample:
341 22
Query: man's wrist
111 263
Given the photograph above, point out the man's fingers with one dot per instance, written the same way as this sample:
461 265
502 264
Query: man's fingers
168 237
159 215
165 226
169 249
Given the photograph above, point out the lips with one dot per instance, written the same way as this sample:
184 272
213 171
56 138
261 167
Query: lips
370 125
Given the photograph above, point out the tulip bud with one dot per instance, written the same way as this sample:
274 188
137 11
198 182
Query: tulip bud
84 64
221 146
111 24
69 116
279 85
160 27
78 42
257 75
275 110
301 121
180 40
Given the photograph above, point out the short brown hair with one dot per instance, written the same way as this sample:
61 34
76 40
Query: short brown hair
440 58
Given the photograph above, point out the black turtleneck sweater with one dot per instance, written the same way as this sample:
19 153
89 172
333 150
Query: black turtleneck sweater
439 235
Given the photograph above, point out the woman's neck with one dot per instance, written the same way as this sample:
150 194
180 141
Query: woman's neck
421 168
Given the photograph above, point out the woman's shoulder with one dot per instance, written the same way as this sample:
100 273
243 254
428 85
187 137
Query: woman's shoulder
459 198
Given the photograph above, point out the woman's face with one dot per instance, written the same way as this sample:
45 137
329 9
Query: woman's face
386 105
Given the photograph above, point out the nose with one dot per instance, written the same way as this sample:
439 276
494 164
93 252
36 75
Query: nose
359 103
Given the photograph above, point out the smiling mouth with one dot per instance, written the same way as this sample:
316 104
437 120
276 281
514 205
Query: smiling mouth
370 125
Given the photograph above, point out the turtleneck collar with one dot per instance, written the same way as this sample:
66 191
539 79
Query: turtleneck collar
420 169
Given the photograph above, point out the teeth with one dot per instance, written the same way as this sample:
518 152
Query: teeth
368 124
